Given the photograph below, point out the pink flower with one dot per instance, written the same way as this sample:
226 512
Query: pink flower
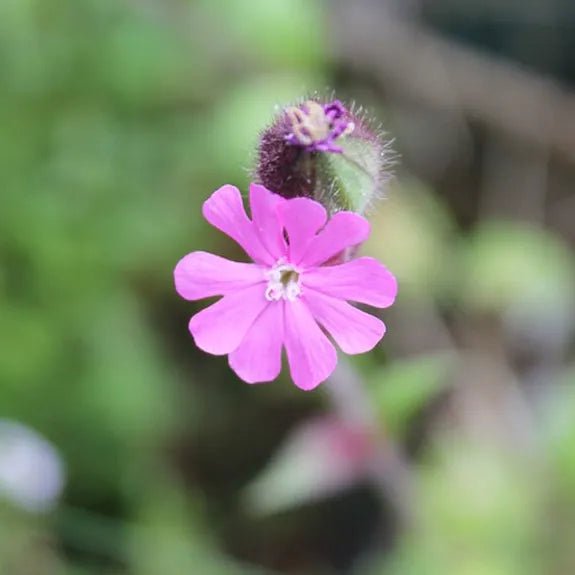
291 289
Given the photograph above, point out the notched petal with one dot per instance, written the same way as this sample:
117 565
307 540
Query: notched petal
344 230
224 209
311 356
258 357
353 330
220 328
363 280
200 274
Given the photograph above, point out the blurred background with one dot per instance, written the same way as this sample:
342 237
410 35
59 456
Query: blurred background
125 450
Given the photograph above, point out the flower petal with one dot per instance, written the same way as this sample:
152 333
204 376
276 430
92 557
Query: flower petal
311 356
264 207
200 274
363 280
221 327
352 329
259 356
224 209
302 219
344 229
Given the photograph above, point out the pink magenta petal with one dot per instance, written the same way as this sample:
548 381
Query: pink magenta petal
224 209
259 356
363 280
352 329
302 219
264 207
221 327
344 229
311 356
200 274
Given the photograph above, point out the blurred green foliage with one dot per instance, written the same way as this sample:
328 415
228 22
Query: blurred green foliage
404 388
117 120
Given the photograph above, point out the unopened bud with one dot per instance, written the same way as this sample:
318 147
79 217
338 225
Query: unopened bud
324 151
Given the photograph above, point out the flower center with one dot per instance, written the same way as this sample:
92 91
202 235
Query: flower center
316 127
283 282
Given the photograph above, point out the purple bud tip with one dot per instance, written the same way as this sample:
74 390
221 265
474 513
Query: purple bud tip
315 127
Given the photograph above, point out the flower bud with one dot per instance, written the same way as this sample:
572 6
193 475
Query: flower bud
326 152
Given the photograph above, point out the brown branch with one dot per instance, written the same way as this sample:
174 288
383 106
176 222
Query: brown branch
420 65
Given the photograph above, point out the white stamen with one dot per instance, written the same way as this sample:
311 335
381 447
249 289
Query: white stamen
283 282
